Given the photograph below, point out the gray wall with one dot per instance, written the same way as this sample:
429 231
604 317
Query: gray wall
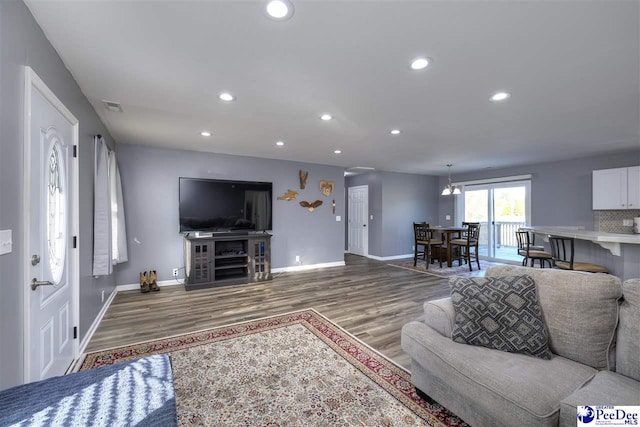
406 199
23 43
150 190
396 200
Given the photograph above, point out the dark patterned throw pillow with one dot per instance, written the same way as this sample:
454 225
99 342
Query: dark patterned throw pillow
500 313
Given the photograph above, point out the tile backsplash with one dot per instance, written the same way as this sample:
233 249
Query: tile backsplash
611 221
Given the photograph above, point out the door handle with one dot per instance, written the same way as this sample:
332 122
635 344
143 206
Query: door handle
35 283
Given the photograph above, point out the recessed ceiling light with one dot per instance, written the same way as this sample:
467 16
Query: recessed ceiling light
395 132
500 96
420 63
326 117
279 10
205 133
280 143
226 96
337 151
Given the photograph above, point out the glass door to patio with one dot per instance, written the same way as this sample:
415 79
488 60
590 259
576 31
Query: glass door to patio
500 208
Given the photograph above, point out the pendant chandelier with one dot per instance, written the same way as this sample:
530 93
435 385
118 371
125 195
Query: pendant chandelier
450 189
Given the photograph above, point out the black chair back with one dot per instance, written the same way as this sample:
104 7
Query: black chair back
562 250
421 231
472 232
522 237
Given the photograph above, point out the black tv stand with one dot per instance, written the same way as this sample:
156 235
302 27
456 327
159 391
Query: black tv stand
226 258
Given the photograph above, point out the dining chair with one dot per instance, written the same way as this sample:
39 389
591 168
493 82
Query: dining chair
469 239
526 249
562 253
423 237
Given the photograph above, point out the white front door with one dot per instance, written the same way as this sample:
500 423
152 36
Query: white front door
358 215
51 222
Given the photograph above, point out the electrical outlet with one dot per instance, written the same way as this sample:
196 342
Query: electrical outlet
297 258
102 297
447 217
413 247
627 222
175 272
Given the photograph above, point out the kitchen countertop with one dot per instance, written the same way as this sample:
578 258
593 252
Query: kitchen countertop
610 241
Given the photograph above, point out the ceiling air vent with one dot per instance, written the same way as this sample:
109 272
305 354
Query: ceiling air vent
355 170
360 169
113 106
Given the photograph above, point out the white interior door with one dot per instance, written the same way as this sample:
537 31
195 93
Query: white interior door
51 223
358 220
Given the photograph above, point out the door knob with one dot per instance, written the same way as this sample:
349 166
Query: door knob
35 283
364 225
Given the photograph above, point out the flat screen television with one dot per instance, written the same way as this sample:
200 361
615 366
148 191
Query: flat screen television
213 205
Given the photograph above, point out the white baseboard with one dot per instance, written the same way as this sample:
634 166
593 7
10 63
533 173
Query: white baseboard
96 322
389 258
307 267
136 286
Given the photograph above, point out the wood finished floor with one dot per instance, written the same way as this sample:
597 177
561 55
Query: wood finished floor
366 297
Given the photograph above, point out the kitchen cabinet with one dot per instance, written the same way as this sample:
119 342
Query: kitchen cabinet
615 189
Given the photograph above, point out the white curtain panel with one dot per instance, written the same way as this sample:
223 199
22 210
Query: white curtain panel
118 227
109 228
101 211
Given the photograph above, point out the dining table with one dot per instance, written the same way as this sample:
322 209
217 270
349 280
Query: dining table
447 232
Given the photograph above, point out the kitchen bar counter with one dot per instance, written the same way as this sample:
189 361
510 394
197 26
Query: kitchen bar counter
610 241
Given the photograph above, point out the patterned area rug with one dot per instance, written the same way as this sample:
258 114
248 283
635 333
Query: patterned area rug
435 270
294 369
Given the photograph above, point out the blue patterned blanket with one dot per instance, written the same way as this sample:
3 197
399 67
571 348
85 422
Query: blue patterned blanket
139 392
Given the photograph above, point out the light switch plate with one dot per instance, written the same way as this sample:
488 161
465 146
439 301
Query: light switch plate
6 243
338 218
448 217
371 217
627 222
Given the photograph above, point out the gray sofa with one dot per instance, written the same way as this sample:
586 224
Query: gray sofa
594 335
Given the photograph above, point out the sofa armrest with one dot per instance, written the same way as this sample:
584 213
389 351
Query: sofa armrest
440 315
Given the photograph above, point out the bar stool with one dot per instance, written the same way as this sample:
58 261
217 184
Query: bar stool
526 249
562 254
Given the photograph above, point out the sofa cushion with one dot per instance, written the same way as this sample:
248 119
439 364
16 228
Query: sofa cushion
500 313
607 388
628 345
580 311
477 383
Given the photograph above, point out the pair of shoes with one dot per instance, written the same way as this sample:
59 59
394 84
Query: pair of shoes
149 283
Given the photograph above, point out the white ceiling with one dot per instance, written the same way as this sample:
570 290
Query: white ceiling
572 68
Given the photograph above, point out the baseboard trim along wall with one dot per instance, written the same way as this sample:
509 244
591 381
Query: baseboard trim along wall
136 286
173 282
307 267
389 258
96 322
